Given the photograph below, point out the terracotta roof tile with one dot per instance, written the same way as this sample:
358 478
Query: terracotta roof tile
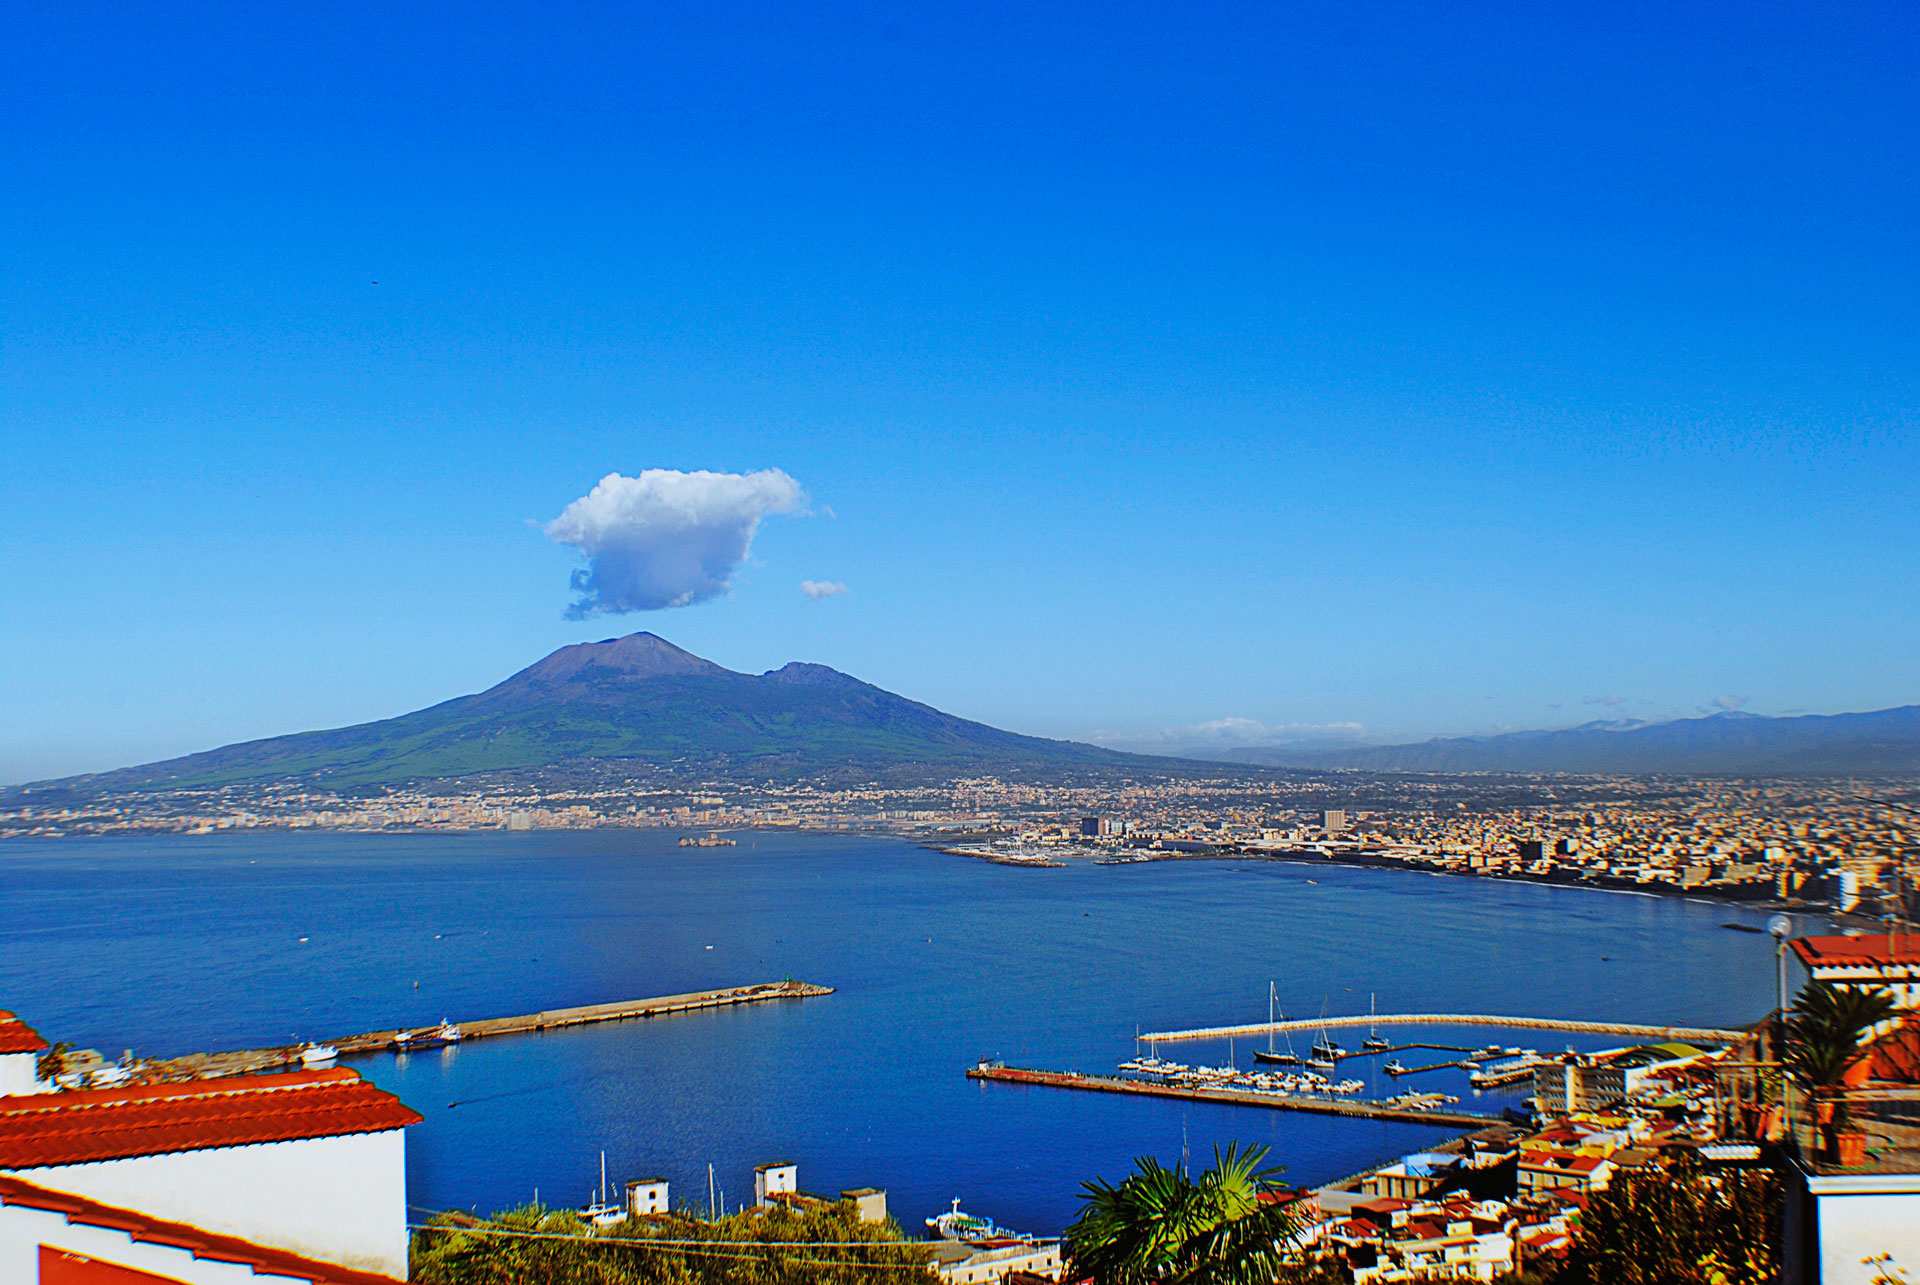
17 1037
1865 951
201 1244
110 1124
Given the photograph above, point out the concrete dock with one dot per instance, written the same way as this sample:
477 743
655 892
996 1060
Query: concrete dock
252 1061
1454 1019
1233 1097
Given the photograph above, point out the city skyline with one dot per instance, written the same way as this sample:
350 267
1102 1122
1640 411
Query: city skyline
1254 376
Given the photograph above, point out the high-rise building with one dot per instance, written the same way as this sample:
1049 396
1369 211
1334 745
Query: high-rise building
1333 822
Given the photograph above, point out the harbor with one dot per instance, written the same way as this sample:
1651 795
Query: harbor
406 1039
1637 1030
1403 1111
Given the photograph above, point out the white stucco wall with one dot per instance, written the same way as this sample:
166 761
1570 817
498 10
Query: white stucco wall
16 1074
23 1231
1865 1216
341 1200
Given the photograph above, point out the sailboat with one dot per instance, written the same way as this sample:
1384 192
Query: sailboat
1289 1058
1325 1051
600 1213
1374 1040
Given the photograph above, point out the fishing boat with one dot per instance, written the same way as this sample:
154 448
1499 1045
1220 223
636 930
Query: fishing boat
433 1038
1289 1058
1374 1041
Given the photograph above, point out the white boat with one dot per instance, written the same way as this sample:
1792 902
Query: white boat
957 1225
598 1213
318 1055
1289 1058
1394 1067
1374 1041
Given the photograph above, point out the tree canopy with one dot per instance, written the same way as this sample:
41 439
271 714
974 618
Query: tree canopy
1161 1226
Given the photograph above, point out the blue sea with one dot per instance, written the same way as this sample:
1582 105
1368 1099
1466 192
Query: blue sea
173 945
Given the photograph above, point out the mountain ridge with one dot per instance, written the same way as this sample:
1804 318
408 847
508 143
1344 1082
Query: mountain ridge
1729 743
636 700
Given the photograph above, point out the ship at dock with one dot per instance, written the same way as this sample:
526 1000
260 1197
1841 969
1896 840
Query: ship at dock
957 1224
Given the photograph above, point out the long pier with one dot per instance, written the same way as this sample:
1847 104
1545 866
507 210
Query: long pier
1454 1019
1232 1097
252 1061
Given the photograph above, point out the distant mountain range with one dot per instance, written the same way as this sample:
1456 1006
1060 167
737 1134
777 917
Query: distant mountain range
1884 742
638 702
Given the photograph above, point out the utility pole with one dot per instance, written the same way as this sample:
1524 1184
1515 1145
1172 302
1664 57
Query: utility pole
1782 927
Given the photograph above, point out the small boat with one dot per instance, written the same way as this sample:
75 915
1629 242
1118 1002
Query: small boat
1321 1062
598 1213
958 1225
435 1037
1374 1041
1289 1058
318 1055
1324 1047
1394 1067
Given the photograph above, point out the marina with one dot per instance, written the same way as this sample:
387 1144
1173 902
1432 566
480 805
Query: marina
1711 1034
1414 1109
404 1040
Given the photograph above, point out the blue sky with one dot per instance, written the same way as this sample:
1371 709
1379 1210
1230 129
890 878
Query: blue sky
1430 370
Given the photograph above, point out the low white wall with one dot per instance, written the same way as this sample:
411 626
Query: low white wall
24 1230
1858 1226
16 1074
341 1200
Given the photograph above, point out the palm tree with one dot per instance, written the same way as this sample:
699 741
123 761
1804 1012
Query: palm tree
1823 1042
1160 1227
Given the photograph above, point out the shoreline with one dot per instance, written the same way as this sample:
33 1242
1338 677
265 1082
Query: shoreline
1133 856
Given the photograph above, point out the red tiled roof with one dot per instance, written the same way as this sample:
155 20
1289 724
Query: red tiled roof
1867 951
110 1124
17 1037
1895 1056
201 1244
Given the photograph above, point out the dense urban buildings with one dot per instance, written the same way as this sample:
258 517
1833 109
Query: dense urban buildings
1848 845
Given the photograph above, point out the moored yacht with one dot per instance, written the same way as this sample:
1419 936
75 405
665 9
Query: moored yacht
956 1224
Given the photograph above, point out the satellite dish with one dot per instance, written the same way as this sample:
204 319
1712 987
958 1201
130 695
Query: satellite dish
1780 926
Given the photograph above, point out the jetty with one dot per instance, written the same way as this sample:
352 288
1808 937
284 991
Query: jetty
200 1066
1635 1029
1403 1113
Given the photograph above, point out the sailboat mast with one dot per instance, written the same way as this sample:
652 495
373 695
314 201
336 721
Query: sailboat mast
1269 1017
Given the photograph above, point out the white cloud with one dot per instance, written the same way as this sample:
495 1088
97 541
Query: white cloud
666 538
822 588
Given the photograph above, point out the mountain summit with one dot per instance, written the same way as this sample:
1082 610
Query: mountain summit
638 702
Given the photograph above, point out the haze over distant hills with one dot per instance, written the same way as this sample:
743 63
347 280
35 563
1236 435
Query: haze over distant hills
637 701
1884 742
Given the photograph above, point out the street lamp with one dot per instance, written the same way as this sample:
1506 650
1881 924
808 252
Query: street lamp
1781 926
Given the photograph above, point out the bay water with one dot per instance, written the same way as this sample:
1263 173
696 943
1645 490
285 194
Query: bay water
175 944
